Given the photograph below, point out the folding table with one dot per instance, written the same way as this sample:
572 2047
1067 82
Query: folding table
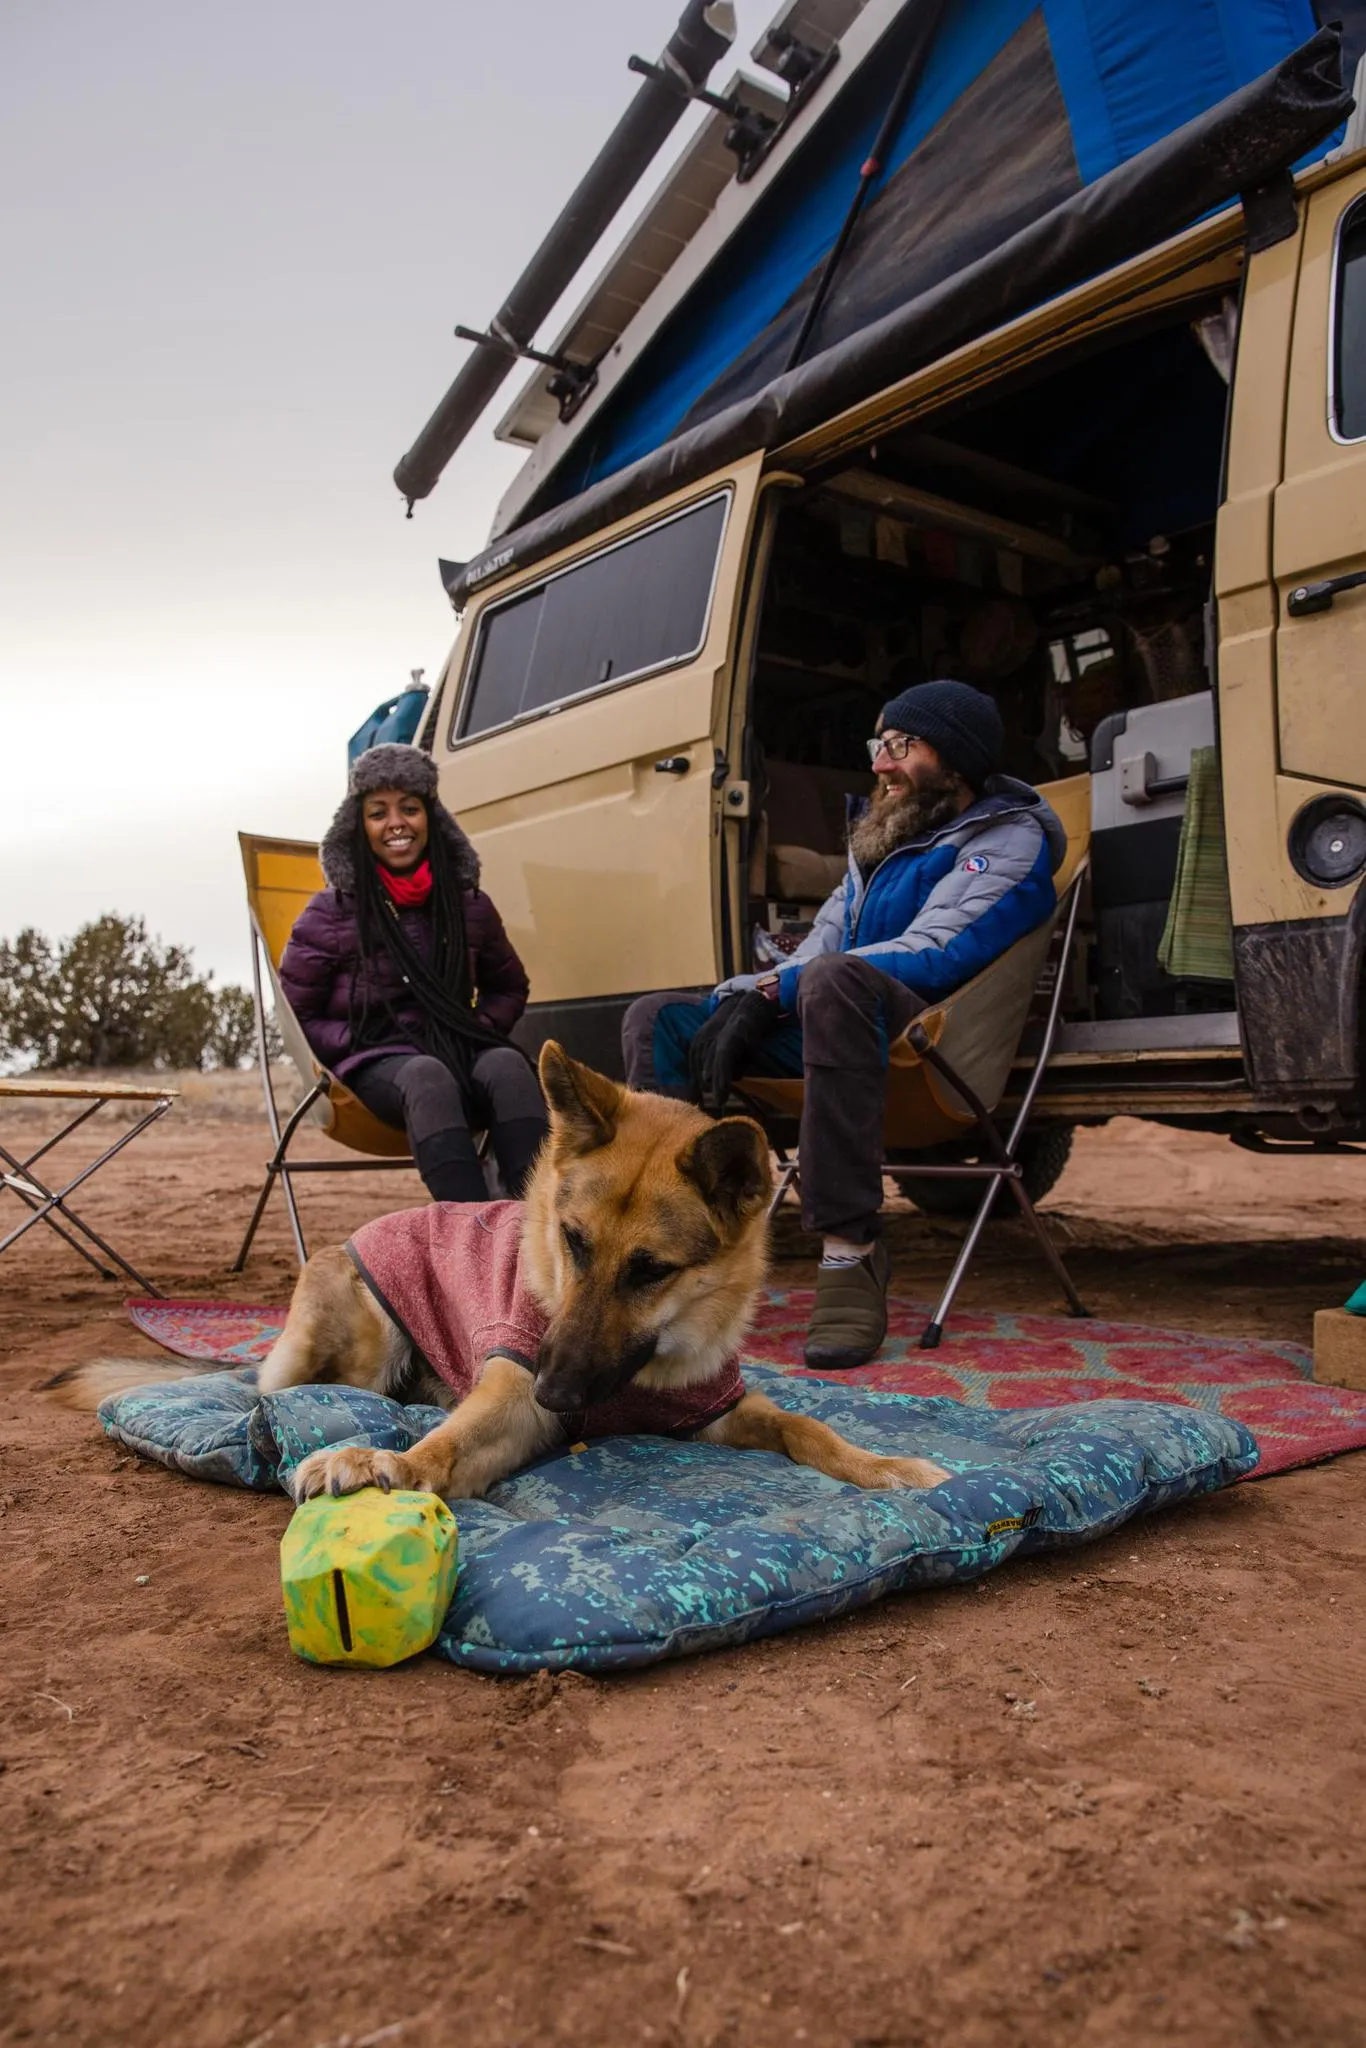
46 1204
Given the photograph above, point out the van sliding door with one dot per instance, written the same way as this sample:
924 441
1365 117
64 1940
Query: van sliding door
576 743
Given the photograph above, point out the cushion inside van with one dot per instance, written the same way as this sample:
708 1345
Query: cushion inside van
798 874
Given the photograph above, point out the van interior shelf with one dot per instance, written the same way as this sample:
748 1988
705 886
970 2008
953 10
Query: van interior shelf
926 508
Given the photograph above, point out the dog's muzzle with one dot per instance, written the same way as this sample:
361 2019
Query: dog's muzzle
567 1382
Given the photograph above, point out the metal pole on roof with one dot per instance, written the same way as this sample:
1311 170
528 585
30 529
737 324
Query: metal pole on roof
705 31
872 168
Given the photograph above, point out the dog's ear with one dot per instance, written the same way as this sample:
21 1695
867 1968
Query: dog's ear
584 1106
728 1165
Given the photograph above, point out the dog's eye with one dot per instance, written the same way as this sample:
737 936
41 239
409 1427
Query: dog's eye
643 1269
576 1244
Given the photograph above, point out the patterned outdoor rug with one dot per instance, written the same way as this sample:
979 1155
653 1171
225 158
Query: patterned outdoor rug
987 1361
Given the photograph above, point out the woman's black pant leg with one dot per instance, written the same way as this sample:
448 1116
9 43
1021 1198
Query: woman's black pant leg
421 1095
507 1101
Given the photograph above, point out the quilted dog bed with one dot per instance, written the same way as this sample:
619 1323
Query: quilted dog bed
637 1548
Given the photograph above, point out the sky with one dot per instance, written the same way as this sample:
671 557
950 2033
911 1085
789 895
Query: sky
234 242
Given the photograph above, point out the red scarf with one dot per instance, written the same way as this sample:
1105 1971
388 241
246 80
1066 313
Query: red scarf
407 891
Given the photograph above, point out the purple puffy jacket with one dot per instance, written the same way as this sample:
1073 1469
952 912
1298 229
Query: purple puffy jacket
321 962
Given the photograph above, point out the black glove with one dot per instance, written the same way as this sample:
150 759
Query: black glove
722 1048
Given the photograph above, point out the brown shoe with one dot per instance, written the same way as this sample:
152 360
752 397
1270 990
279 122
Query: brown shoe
849 1320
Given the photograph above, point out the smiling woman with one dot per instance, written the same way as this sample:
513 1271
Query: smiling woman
396 827
405 982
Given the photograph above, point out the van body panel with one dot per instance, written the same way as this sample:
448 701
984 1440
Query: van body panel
1262 884
605 869
1302 1027
1320 530
1285 519
737 820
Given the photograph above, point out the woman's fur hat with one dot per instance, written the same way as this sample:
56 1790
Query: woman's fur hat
390 767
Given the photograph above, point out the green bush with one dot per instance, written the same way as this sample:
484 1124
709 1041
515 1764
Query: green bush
110 996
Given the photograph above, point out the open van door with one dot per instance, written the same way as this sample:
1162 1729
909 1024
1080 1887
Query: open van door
1292 655
1320 510
581 740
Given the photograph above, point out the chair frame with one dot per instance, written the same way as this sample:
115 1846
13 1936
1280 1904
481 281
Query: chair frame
1005 1169
280 1166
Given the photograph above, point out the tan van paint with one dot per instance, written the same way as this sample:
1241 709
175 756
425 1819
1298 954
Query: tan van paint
606 872
1320 529
610 875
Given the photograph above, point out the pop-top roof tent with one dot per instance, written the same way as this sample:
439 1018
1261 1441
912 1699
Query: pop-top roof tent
940 166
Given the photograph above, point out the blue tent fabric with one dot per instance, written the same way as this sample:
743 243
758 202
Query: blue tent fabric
1131 74
1122 76
1240 146
639 1548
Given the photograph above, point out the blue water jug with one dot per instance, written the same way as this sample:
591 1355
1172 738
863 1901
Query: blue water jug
391 724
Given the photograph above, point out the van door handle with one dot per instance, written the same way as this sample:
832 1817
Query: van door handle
673 764
1318 597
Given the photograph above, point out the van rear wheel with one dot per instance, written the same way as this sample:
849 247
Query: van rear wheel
1044 1153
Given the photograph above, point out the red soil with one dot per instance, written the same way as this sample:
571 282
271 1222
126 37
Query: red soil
1102 1799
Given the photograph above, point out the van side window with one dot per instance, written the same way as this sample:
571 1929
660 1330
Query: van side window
1349 338
635 608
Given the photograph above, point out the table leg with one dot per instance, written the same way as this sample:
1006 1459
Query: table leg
56 1198
31 1196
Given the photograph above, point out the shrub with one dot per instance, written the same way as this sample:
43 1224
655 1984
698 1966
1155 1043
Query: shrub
110 996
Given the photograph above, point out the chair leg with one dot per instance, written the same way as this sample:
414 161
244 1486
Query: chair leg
278 1166
787 1175
240 1261
933 1331
1004 1155
1050 1251
295 1225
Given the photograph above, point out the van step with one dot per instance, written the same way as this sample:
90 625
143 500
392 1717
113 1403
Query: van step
1215 1031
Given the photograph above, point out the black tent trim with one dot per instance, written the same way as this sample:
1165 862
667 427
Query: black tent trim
1243 145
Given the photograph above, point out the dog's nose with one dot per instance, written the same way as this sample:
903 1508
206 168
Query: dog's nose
569 1378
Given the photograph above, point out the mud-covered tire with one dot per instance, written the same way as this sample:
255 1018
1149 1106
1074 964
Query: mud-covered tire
1044 1153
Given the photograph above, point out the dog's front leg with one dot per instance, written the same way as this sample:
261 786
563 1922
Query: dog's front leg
758 1424
496 1428
335 1330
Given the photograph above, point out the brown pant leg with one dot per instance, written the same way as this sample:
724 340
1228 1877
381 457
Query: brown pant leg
849 1012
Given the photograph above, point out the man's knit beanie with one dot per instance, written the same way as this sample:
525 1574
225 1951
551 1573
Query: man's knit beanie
960 723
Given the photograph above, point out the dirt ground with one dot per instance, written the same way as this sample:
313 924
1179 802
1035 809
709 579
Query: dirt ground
1107 1798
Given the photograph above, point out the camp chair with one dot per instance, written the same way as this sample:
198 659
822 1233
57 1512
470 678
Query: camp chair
950 1068
281 876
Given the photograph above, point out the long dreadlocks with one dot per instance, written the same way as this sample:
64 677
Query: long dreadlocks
441 983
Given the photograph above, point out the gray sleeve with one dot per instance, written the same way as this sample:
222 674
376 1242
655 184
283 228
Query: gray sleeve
826 933
824 937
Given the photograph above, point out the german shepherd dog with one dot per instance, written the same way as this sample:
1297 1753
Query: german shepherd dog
644 1241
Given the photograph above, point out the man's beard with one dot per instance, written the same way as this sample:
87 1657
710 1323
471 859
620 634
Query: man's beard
898 811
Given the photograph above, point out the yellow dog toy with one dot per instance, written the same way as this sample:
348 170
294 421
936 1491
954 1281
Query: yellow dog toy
367 1578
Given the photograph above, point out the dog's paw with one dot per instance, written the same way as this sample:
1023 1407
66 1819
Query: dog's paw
909 1474
351 1467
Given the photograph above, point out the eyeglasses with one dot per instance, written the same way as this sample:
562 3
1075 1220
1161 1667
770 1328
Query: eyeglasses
895 744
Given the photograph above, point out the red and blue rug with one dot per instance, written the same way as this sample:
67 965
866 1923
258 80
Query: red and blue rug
987 1361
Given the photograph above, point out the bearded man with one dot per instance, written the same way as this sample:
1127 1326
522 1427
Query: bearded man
949 863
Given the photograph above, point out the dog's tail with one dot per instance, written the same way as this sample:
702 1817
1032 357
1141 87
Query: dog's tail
86 1386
